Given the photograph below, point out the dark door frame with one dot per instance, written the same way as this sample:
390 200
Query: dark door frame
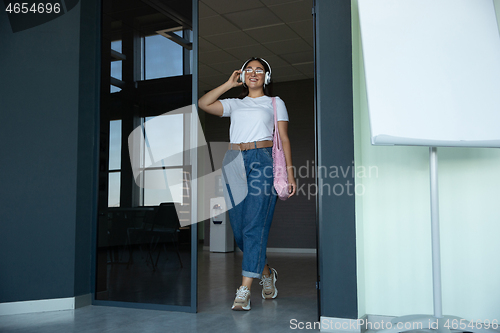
192 308
334 128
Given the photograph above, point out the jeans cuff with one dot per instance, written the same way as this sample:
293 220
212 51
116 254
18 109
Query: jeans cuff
251 274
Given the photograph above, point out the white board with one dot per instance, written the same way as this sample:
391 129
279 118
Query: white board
432 72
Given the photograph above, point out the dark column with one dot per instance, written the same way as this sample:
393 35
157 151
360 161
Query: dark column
335 148
88 143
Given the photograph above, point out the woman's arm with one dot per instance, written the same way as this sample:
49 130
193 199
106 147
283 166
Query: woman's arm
209 102
283 130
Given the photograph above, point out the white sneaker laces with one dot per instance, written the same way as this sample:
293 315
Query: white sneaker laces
267 281
242 292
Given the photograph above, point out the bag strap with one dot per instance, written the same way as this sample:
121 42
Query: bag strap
276 130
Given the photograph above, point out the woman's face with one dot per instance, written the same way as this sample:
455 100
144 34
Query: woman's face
252 79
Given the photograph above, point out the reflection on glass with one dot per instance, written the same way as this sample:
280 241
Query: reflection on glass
114 189
117 46
116 66
143 254
115 144
164 138
163 57
113 89
163 192
116 72
116 69
146 256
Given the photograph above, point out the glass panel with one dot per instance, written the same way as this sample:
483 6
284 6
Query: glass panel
144 256
117 46
163 57
161 179
115 144
113 89
164 139
116 65
116 69
114 189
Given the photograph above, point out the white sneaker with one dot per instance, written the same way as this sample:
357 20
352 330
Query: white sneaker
242 300
268 284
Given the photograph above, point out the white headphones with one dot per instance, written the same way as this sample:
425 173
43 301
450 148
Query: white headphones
267 79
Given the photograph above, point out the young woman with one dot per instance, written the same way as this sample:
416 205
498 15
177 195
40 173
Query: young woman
247 169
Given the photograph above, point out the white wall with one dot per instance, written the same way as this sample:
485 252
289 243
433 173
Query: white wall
393 223
496 3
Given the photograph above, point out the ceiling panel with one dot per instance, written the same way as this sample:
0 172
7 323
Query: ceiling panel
205 11
305 68
214 57
231 31
299 57
304 29
228 6
206 46
232 40
215 25
288 46
253 18
205 70
294 11
277 2
273 33
290 78
276 61
228 67
214 81
285 71
245 52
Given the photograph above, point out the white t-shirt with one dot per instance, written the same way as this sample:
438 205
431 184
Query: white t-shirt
252 119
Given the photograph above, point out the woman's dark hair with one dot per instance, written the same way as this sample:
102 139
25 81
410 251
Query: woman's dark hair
268 89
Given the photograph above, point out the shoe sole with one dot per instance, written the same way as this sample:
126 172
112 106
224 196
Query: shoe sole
275 278
241 308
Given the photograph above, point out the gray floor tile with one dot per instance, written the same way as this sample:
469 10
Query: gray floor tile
219 276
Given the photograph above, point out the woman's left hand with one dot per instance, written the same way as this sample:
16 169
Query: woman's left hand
292 186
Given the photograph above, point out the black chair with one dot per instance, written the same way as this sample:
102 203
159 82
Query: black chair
165 229
139 235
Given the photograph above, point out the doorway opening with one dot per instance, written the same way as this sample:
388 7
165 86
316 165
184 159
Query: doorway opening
281 32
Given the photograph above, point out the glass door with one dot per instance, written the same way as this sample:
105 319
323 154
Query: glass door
146 248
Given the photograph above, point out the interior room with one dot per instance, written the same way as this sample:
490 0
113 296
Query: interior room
281 32
111 215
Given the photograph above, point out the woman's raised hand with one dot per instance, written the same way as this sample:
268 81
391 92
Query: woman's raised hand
233 79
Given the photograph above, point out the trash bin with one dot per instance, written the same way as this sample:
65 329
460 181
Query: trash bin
221 234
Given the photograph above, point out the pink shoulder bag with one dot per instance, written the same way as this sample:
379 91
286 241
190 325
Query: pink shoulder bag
279 163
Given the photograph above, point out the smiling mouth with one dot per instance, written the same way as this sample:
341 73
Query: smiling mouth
253 80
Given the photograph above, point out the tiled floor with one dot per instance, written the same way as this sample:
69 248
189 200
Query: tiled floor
219 276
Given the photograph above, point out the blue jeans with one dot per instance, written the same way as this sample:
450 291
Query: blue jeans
250 195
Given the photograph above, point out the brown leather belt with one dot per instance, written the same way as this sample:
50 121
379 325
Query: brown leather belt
251 145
